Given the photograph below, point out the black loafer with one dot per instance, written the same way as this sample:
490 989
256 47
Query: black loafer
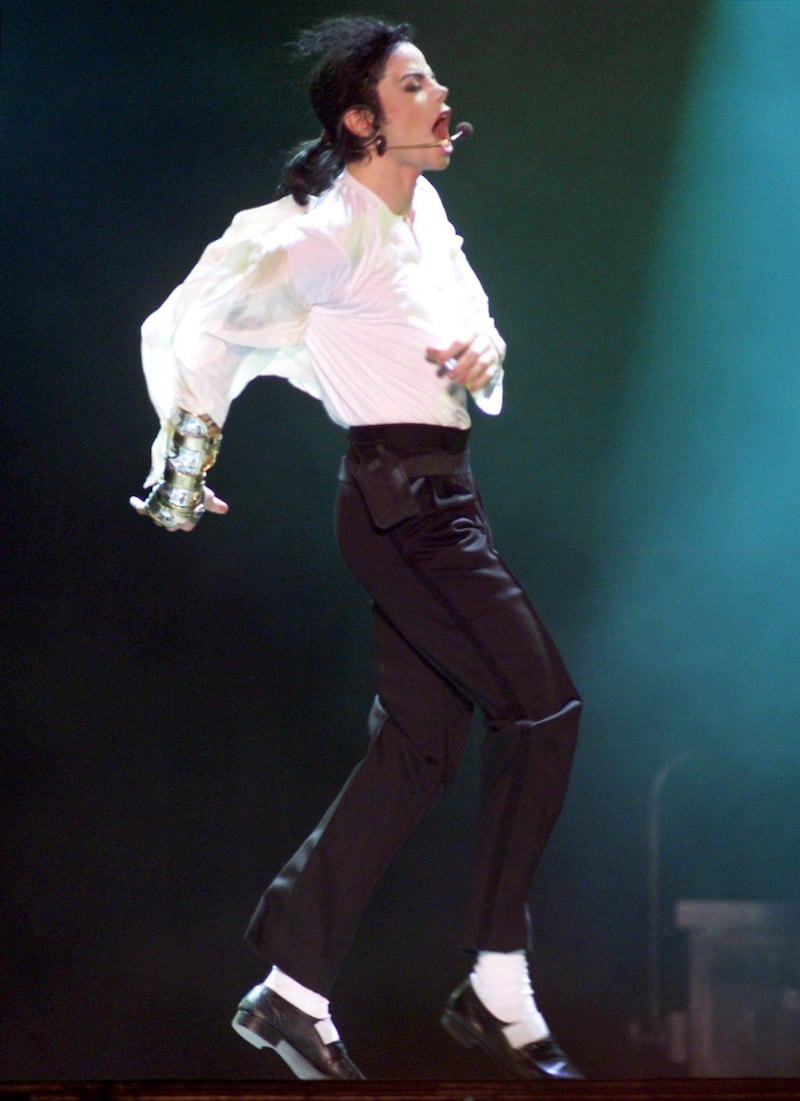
468 1020
265 1019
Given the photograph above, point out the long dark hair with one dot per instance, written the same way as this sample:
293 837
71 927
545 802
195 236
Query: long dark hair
352 52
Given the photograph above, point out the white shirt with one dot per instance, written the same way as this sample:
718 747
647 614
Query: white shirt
341 297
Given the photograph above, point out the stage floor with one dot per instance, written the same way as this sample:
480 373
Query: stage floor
653 1089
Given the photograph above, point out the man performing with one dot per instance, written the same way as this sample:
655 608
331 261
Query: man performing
354 286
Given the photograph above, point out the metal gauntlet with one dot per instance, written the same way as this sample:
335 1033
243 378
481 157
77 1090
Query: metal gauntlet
193 448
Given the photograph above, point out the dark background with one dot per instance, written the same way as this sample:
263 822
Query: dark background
178 711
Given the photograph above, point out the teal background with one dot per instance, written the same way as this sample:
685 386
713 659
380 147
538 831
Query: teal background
179 711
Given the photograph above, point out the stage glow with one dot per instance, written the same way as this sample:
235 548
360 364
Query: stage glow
694 643
701 596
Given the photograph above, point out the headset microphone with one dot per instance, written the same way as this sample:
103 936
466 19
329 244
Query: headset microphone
463 130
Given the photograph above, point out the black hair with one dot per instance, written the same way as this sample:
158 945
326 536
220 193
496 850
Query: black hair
352 52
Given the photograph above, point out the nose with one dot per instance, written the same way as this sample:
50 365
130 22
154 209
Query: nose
444 91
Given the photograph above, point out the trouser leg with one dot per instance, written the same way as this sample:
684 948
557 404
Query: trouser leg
418 727
439 580
524 774
468 633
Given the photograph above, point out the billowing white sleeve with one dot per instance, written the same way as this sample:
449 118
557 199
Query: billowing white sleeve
235 317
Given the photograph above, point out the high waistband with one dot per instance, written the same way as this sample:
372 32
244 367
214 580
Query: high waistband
404 440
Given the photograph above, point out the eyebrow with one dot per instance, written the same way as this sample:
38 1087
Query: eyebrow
418 74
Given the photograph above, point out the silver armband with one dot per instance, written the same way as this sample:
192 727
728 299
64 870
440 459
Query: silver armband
192 450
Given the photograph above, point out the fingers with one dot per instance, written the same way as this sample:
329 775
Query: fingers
447 358
211 503
470 363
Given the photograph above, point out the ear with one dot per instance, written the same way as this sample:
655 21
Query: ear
359 121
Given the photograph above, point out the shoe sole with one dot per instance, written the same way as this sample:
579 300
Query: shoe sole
459 1029
261 1034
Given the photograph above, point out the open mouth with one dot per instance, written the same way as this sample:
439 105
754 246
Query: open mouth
441 128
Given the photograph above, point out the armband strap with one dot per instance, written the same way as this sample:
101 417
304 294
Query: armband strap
194 443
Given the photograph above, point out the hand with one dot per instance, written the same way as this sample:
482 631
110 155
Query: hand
211 503
472 363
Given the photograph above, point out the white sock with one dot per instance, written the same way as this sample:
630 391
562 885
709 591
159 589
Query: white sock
502 982
307 1000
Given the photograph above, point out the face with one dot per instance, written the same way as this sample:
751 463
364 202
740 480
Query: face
414 110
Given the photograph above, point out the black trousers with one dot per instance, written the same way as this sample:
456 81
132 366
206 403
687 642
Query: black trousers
453 631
